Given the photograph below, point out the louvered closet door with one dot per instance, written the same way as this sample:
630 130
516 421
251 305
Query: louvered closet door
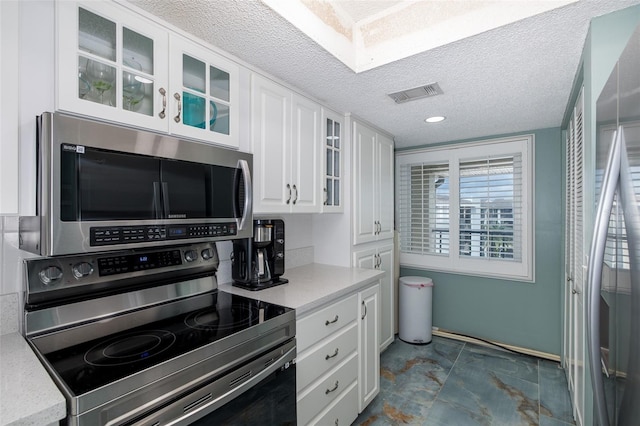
569 248
575 265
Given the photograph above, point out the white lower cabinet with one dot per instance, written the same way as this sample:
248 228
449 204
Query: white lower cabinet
369 345
338 362
326 390
380 256
341 412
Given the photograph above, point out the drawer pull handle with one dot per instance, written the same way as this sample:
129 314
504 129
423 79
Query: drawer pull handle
331 322
328 391
335 354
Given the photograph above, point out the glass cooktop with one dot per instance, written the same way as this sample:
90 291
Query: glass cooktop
95 363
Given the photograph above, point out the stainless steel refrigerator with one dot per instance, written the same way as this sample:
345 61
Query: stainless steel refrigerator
613 288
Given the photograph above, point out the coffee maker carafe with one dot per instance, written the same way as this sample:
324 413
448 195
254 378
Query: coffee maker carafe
258 262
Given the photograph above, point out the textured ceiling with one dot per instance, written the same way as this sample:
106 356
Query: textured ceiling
514 78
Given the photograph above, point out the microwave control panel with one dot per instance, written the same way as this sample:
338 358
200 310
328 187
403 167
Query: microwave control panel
113 235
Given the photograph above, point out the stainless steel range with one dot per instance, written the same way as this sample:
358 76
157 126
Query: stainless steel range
145 338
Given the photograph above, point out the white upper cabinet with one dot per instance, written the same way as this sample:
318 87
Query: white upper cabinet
204 94
333 125
116 65
305 153
111 64
373 185
286 147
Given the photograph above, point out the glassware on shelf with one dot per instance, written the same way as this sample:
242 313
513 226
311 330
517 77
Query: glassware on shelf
84 86
132 88
102 77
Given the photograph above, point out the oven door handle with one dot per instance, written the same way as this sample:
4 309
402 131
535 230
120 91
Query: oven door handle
205 404
233 393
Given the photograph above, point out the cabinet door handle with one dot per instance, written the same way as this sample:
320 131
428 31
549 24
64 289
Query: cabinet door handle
163 92
365 310
295 189
335 354
326 196
289 188
379 261
327 322
177 97
328 391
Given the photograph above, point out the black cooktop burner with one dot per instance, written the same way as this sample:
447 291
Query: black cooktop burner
213 319
95 363
128 348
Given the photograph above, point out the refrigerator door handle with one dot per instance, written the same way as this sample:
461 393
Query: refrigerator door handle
594 274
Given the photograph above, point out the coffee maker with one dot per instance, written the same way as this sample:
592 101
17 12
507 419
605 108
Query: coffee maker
258 262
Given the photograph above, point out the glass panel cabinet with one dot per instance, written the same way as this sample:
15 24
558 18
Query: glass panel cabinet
206 88
111 64
333 146
118 66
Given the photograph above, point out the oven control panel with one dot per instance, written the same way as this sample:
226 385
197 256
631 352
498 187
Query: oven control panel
76 275
113 235
138 262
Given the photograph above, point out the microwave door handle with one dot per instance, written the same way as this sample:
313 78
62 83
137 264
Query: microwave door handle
165 200
157 206
248 200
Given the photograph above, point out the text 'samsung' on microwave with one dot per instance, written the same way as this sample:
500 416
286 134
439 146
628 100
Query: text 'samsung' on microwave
104 187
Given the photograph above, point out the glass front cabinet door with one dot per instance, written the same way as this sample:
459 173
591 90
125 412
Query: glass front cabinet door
112 64
116 65
204 95
333 149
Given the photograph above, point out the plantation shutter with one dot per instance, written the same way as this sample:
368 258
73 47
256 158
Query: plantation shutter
424 208
491 208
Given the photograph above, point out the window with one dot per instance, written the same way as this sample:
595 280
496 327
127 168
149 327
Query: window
488 186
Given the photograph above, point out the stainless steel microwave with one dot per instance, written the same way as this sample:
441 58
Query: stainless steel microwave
104 187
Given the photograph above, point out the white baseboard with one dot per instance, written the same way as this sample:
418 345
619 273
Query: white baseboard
450 335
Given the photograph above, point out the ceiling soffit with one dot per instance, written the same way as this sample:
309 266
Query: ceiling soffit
367 34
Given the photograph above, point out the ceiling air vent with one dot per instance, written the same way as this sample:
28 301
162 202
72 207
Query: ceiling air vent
416 93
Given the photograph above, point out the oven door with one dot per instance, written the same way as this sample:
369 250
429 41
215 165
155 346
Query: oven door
263 391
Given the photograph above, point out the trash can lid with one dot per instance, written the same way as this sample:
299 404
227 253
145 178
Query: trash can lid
416 281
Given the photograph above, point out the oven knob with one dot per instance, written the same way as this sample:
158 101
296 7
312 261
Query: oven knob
190 255
206 254
50 274
82 269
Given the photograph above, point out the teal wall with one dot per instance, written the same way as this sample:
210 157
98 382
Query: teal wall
525 314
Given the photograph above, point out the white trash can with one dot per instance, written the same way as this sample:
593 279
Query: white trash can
414 306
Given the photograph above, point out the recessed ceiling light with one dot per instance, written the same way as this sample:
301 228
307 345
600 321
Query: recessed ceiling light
435 119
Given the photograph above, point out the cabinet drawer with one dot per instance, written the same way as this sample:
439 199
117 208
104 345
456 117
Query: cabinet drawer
317 326
343 411
315 362
327 390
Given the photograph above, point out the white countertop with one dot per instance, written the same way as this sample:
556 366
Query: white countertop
28 396
311 286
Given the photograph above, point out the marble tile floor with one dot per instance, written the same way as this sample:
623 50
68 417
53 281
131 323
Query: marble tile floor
449 382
